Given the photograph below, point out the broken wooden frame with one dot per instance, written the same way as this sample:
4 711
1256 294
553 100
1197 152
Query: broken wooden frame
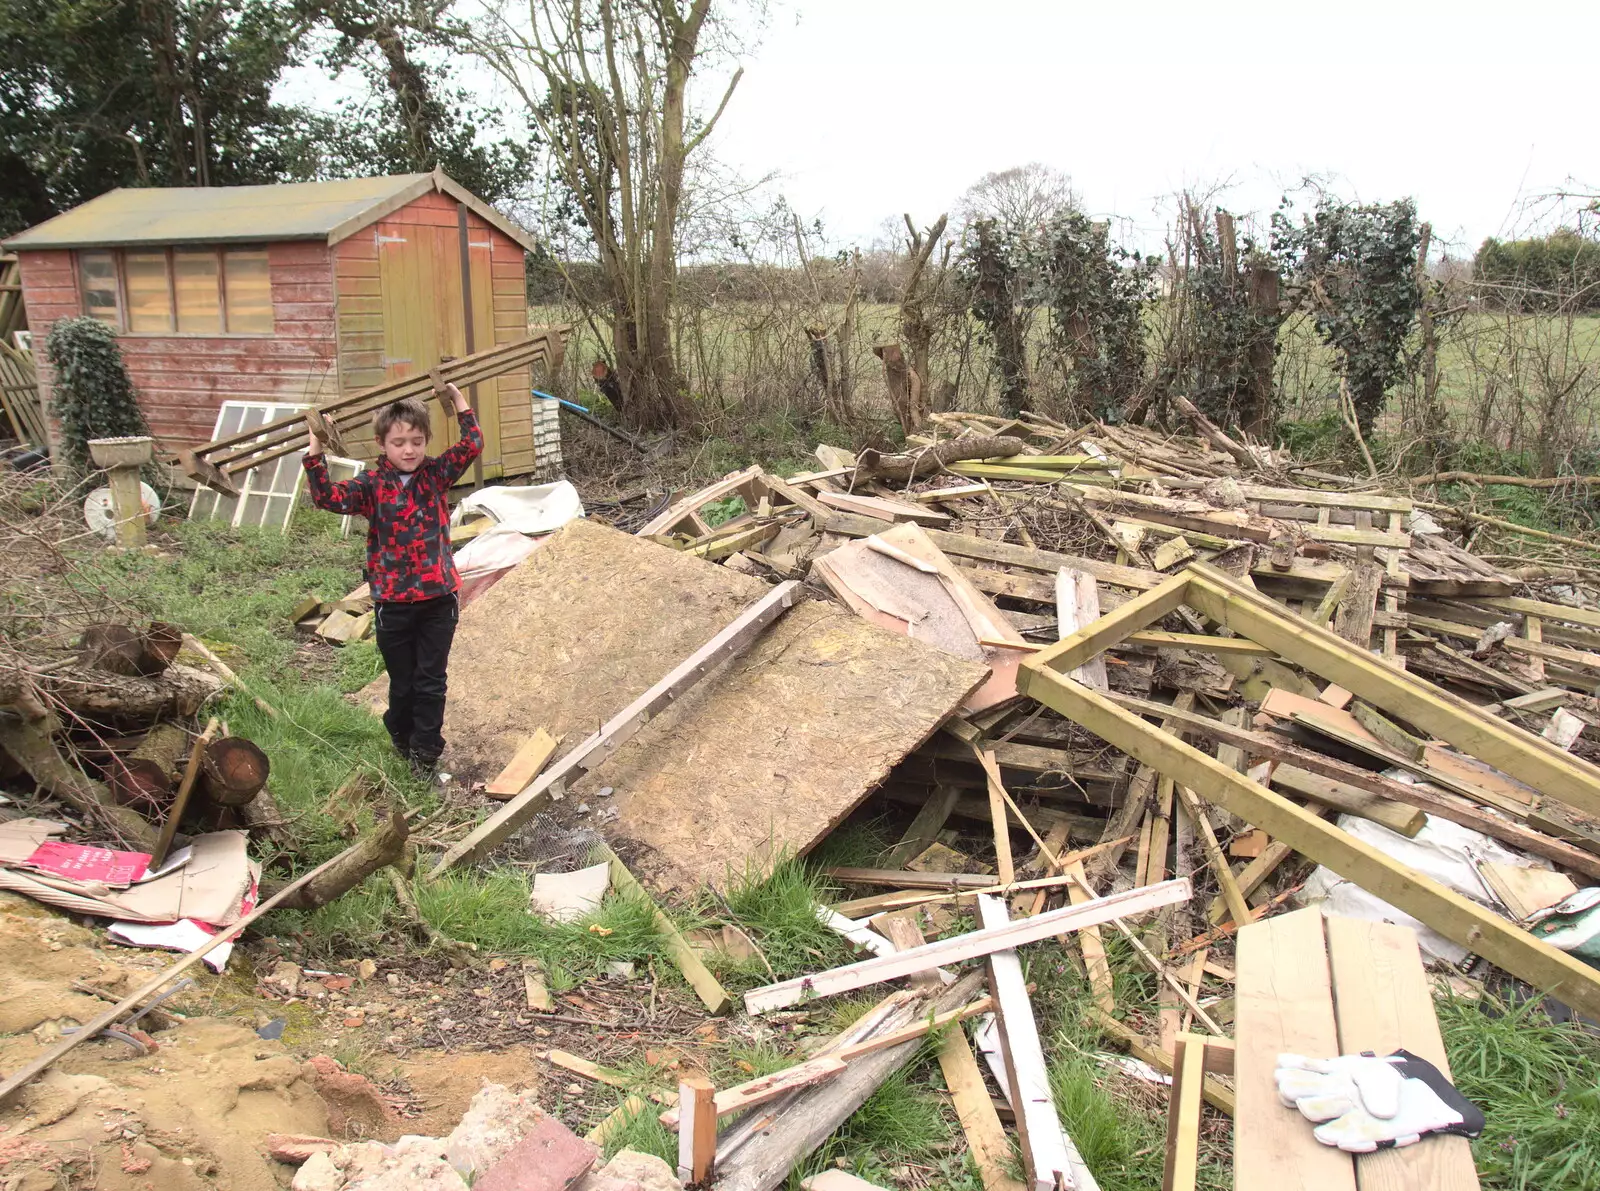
1520 754
740 634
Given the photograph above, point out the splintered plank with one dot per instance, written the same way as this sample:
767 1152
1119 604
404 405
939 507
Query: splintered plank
1283 1004
986 1139
1048 1155
1383 1002
531 756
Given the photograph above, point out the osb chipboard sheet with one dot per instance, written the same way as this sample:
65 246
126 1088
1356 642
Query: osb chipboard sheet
770 753
572 635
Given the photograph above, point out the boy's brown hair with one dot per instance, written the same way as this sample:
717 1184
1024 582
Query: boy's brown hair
408 411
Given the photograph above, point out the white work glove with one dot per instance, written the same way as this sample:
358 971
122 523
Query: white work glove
1366 1102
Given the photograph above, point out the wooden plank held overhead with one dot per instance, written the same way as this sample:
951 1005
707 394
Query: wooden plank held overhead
239 453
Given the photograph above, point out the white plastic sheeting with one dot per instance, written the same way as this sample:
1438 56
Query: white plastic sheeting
542 508
1442 851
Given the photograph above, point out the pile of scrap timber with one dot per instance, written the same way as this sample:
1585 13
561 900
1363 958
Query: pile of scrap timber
1169 676
338 622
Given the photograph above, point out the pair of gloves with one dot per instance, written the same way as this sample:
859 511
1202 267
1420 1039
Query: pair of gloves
1366 1102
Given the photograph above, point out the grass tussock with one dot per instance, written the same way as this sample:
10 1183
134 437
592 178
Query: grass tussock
778 910
1536 1083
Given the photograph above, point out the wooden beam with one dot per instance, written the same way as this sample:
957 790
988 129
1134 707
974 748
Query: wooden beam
1006 554
1183 1113
1049 1158
1238 646
927 825
997 813
1351 800
1217 1094
729 643
1231 894
1265 745
907 898
1091 944
986 1139
697 1136
765 1087
1457 918
1114 627
973 945
1521 754
684 957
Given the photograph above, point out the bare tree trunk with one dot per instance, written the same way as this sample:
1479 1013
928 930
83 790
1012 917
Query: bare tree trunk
905 388
1433 424
608 89
915 325
1257 415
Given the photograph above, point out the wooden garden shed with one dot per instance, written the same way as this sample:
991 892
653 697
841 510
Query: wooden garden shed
295 294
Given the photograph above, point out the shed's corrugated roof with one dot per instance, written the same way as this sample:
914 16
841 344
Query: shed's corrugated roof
327 211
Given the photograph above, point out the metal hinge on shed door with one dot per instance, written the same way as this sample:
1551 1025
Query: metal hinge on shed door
380 238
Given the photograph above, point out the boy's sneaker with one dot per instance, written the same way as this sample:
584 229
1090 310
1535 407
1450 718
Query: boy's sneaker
424 768
403 747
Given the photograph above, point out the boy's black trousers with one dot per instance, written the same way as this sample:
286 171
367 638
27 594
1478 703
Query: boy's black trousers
414 638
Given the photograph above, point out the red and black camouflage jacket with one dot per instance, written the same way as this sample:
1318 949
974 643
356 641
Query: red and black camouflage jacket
408 525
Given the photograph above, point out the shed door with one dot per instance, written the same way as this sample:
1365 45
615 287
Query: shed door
419 275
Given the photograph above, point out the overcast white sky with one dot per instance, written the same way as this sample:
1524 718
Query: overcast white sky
869 108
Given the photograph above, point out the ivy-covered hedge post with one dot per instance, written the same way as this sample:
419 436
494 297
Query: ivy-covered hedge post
92 395
1354 268
990 269
1096 292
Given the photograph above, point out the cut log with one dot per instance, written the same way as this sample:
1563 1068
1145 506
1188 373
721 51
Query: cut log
146 776
234 770
119 649
927 462
31 744
105 699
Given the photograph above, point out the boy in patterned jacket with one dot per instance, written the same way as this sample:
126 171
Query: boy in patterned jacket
409 565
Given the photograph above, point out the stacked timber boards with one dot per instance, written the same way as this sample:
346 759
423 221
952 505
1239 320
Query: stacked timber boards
768 755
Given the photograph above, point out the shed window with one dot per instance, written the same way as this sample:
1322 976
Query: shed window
100 294
249 292
193 291
149 291
196 284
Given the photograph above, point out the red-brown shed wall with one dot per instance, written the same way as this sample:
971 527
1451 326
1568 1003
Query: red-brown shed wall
182 380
